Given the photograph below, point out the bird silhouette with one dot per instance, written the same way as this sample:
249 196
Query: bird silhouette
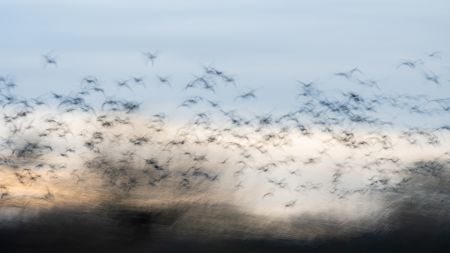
50 59
150 57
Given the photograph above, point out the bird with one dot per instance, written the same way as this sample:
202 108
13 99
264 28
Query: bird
268 194
432 77
201 81
150 57
412 64
290 204
306 84
435 55
247 95
139 80
191 101
123 83
90 81
50 59
349 74
164 80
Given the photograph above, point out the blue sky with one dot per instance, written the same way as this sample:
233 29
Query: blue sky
266 45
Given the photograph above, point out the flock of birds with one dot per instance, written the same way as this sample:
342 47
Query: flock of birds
90 133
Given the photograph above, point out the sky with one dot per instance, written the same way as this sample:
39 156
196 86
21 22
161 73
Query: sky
265 45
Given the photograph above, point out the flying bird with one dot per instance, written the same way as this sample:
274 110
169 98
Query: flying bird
164 80
247 95
150 57
410 63
349 74
50 59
